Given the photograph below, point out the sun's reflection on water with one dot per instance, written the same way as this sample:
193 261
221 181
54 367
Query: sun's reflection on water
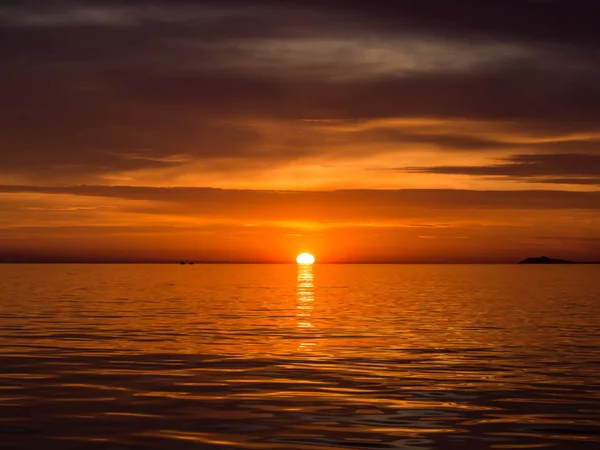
409 357
305 301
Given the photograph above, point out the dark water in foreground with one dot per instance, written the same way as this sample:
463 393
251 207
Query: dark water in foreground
278 357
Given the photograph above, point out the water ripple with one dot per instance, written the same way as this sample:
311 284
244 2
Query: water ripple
265 357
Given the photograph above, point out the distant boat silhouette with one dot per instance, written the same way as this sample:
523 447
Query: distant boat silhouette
546 260
182 263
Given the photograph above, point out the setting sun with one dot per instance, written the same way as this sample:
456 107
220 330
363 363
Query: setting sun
305 258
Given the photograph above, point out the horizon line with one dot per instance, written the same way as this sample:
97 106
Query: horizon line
193 262
79 260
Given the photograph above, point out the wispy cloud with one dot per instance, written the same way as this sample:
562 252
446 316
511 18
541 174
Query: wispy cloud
543 168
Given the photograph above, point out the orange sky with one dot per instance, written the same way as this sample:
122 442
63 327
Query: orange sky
245 131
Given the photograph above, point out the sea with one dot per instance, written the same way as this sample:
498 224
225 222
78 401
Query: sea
412 357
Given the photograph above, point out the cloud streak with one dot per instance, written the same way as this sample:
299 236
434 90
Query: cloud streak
584 168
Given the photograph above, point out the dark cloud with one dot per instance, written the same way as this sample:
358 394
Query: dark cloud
93 125
541 167
560 21
97 88
361 203
575 181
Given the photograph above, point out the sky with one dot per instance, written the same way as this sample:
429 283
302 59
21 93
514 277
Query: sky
251 131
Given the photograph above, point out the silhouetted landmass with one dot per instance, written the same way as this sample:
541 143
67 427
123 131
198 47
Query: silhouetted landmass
546 260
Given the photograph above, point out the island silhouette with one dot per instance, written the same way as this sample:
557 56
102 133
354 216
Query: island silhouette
546 260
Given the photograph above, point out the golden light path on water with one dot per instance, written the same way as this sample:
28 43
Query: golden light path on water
306 298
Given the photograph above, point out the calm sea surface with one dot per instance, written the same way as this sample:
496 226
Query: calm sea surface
123 357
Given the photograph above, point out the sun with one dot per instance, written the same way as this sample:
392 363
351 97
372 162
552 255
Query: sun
305 258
